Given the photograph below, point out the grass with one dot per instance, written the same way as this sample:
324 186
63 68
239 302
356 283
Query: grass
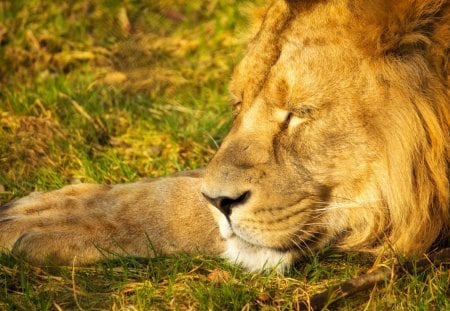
111 91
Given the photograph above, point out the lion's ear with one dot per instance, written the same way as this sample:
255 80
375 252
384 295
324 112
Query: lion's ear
404 27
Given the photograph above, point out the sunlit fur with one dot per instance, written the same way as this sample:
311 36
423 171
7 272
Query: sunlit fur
340 137
365 165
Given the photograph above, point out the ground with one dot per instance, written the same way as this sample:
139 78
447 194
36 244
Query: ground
113 91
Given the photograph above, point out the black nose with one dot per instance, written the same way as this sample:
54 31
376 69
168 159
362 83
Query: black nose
225 204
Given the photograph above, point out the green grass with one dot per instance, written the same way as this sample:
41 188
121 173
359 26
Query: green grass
83 97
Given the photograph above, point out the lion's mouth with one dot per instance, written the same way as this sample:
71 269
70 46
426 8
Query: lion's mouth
254 241
295 234
228 233
299 240
281 249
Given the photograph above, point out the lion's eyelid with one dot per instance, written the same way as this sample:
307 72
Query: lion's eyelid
303 111
236 100
235 103
295 120
236 107
288 118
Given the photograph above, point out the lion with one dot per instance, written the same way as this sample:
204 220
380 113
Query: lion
340 138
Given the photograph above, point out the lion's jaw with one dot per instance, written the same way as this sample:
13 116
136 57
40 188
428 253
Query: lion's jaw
248 255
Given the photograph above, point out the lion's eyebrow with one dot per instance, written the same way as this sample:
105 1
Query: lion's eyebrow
277 101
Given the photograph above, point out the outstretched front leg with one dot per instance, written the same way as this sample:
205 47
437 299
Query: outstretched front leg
88 221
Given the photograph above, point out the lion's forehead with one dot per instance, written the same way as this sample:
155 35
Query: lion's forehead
311 62
311 75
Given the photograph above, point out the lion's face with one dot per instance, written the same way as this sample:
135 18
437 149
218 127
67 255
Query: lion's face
301 140
315 120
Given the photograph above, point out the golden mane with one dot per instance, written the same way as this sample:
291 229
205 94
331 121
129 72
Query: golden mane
412 39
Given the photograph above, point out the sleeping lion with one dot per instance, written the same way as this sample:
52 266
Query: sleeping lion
340 138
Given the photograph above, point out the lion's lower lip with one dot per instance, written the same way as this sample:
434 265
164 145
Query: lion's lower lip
260 245
265 246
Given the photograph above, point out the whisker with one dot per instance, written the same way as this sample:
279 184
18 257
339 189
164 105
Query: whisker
305 249
334 206
324 224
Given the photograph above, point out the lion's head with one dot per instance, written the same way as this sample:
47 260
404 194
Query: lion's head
341 131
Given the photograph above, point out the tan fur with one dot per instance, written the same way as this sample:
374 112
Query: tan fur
341 136
93 222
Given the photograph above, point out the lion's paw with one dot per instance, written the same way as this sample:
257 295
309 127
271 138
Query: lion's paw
46 225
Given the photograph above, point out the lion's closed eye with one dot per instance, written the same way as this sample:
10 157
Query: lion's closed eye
294 120
236 107
288 119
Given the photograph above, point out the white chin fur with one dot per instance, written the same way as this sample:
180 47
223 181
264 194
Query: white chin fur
251 257
254 258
